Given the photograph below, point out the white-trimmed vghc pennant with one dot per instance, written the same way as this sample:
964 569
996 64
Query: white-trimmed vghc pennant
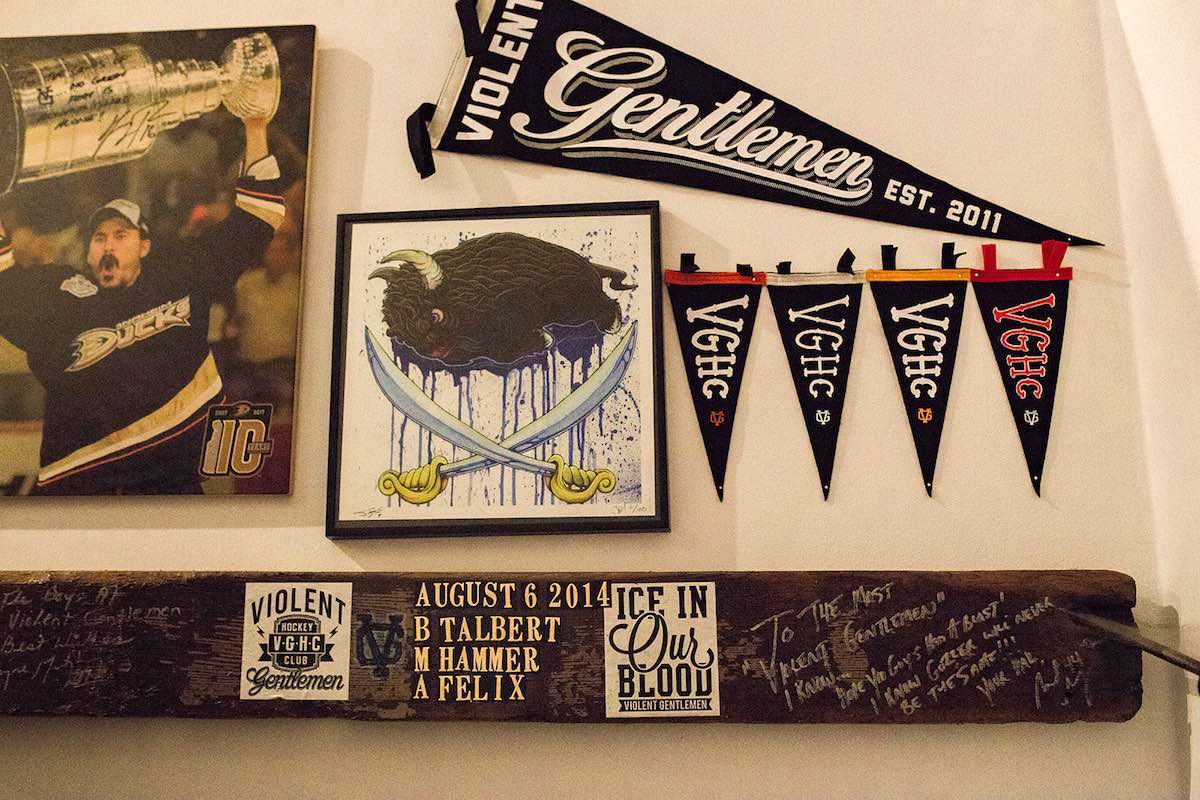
921 311
1025 313
714 315
817 313
555 82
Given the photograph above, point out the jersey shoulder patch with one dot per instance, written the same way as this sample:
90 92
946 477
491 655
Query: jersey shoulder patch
79 286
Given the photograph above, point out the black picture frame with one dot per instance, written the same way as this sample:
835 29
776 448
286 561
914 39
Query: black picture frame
368 526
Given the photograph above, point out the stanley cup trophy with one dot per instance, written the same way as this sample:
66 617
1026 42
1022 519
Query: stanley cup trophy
105 106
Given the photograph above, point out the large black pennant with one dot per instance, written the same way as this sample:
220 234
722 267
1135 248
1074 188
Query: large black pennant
714 315
921 311
1025 313
554 82
817 315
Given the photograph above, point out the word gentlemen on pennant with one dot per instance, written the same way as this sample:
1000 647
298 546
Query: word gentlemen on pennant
780 647
817 313
553 82
714 316
921 311
1025 313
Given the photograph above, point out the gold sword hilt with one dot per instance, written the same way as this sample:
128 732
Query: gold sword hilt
417 486
573 484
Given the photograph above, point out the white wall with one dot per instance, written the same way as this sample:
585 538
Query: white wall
1019 103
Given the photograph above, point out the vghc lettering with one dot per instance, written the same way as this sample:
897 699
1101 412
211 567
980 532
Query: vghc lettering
925 340
716 368
658 662
1028 367
490 90
811 339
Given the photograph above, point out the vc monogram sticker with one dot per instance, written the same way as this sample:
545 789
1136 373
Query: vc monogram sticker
296 641
660 651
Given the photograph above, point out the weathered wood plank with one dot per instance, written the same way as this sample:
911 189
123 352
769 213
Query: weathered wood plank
897 647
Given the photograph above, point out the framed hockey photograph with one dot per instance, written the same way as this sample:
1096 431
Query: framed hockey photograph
152 190
498 371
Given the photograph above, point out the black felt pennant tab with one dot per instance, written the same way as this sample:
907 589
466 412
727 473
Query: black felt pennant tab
714 316
817 315
921 312
1025 313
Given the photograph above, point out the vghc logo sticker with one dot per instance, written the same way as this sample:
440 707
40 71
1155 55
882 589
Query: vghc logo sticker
295 641
660 651
237 440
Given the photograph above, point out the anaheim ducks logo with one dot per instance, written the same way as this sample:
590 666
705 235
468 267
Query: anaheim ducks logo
96 344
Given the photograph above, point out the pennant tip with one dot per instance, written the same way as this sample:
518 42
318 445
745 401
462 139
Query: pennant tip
929 489
720 493
1037 485
825 491
1079 241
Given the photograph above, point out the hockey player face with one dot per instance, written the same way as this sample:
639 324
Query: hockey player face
115 253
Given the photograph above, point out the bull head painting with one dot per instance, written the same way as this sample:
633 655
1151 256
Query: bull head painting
493 297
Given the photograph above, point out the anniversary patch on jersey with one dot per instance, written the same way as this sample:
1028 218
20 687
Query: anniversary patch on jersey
296 641
97 344
238 441
660 651
714 316
79 286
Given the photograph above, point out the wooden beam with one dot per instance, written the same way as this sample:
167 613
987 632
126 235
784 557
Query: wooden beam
895 647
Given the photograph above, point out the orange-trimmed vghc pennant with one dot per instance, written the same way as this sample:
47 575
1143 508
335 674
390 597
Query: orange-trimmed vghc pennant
817 313
714 315
1025 312
921 311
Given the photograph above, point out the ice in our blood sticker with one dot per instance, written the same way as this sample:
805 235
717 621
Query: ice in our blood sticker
296 641
660 650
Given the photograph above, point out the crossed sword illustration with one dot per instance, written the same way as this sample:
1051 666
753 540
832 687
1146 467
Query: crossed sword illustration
568 483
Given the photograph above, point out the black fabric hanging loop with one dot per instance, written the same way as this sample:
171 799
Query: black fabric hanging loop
687 262
745 269
887 256
846 262
468 20
949 257
419 146
784 268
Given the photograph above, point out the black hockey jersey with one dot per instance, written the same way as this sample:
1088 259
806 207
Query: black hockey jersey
128 371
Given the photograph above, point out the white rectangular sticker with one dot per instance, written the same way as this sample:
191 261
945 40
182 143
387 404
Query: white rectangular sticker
296 641
660 651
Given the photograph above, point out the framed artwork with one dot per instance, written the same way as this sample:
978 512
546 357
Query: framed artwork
498 370
152 193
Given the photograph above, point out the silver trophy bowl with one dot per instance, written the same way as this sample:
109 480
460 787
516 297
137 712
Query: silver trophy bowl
105 106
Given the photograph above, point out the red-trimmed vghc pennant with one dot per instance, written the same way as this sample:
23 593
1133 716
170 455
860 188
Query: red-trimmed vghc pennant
714 315
817 314
1025 312
921 311
555 82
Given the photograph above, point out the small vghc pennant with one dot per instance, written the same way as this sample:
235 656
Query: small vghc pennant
714 316
817 314
921 312
1024 312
